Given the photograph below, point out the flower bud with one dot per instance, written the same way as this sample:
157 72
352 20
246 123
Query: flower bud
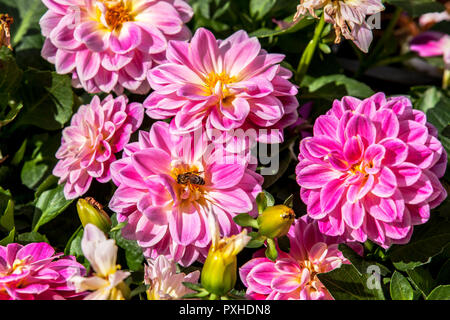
276 221
90 211
219 272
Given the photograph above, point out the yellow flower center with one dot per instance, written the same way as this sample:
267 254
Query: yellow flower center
190 182
361 168
117 13
17 267
217 84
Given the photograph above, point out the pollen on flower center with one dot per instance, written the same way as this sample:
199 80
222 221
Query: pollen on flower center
116 14
361 168
216 84
17 266
190 181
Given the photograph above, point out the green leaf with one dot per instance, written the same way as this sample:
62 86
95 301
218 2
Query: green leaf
193 286
440 293
418 7
29 237
346 283
427 241
324 48
6 210
264 200
10 78
10 73
362 265
352 86
18 156
265 32
257 240
271 250
7 219
119 226
33 171
443 276
400 287
245 220
133 253
48 99
49 182
26 18
422 279
73 245
9 238
289 202
436 105
49 205
259 8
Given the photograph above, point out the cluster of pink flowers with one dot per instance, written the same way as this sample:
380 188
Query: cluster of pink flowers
293 276
97 131
109 45
35 272
371 170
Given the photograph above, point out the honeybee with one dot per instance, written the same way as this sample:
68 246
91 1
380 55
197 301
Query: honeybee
94 203
190 177
290 215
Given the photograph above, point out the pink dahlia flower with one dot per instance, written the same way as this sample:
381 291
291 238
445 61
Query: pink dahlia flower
109 45
223 86
372 169
97 131
432 44
293 276
35 272
167 185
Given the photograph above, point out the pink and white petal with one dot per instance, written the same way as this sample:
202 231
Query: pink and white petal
353 214
129 37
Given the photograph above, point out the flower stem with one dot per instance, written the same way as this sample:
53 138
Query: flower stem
308 54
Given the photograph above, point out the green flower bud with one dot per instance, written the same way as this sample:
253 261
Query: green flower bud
275 221
90 211
219 272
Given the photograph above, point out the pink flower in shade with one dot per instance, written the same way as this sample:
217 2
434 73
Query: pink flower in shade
223 85
428 19
109 45
35 272
166 213
302 126
293 276
97 131
432 44
371 170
